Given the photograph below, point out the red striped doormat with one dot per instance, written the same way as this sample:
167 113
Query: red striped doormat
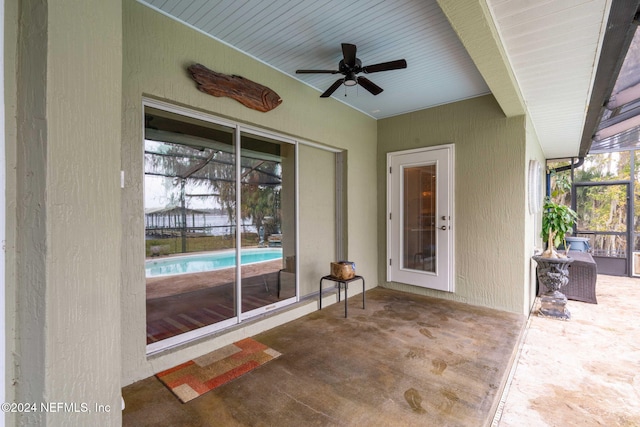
198 376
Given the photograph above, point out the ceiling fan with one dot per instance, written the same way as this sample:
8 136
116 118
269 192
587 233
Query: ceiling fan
350 66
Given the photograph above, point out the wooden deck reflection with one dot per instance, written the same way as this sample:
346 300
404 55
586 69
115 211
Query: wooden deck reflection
182 303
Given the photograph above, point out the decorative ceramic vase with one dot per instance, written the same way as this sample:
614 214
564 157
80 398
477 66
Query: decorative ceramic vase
553 273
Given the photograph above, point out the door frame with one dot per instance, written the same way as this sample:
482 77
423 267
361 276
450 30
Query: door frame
450 209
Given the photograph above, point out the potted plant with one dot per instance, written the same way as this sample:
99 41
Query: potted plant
557 221
562 186
553 267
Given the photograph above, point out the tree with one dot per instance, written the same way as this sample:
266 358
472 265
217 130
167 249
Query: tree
215 169
604 208
261 190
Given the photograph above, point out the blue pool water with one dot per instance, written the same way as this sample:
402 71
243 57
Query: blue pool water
208 262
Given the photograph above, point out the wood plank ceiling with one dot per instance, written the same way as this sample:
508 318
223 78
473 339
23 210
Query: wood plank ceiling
552 47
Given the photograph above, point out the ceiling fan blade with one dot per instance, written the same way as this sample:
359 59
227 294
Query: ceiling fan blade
369 85
327 93
349 54
385 66
317 71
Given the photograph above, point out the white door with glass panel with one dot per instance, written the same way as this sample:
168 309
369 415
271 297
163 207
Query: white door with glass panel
419 214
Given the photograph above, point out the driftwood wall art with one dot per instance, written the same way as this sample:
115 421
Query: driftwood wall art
250 94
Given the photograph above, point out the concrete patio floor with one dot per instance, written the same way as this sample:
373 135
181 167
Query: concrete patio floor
581 372
404 360
380 367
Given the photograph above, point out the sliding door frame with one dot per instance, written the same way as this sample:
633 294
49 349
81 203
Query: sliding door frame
156 347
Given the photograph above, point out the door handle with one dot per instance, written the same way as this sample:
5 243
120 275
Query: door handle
444 227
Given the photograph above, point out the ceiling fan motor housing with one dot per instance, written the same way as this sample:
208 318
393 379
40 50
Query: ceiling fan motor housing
344 68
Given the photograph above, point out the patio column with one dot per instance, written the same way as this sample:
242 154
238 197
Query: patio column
67 287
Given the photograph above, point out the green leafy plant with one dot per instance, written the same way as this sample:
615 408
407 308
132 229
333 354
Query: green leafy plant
561 185
557 221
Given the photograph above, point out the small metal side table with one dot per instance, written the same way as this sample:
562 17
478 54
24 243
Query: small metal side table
341 282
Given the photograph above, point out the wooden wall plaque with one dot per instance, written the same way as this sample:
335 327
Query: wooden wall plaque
248 93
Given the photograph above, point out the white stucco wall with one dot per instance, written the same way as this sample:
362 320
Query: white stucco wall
157 51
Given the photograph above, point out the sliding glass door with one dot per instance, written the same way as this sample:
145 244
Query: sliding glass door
267 200
220 228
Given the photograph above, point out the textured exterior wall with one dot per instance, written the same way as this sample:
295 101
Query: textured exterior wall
67 210
490 196
157 51
318 209
30 285
533 224
10 131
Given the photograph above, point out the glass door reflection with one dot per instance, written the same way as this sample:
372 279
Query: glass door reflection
190 224
267 180
419 210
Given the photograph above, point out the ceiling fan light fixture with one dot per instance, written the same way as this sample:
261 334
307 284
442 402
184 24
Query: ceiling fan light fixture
350 79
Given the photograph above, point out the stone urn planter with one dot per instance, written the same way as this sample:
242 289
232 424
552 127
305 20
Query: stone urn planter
553 273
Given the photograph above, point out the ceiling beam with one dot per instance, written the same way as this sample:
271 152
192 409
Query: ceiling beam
473 23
